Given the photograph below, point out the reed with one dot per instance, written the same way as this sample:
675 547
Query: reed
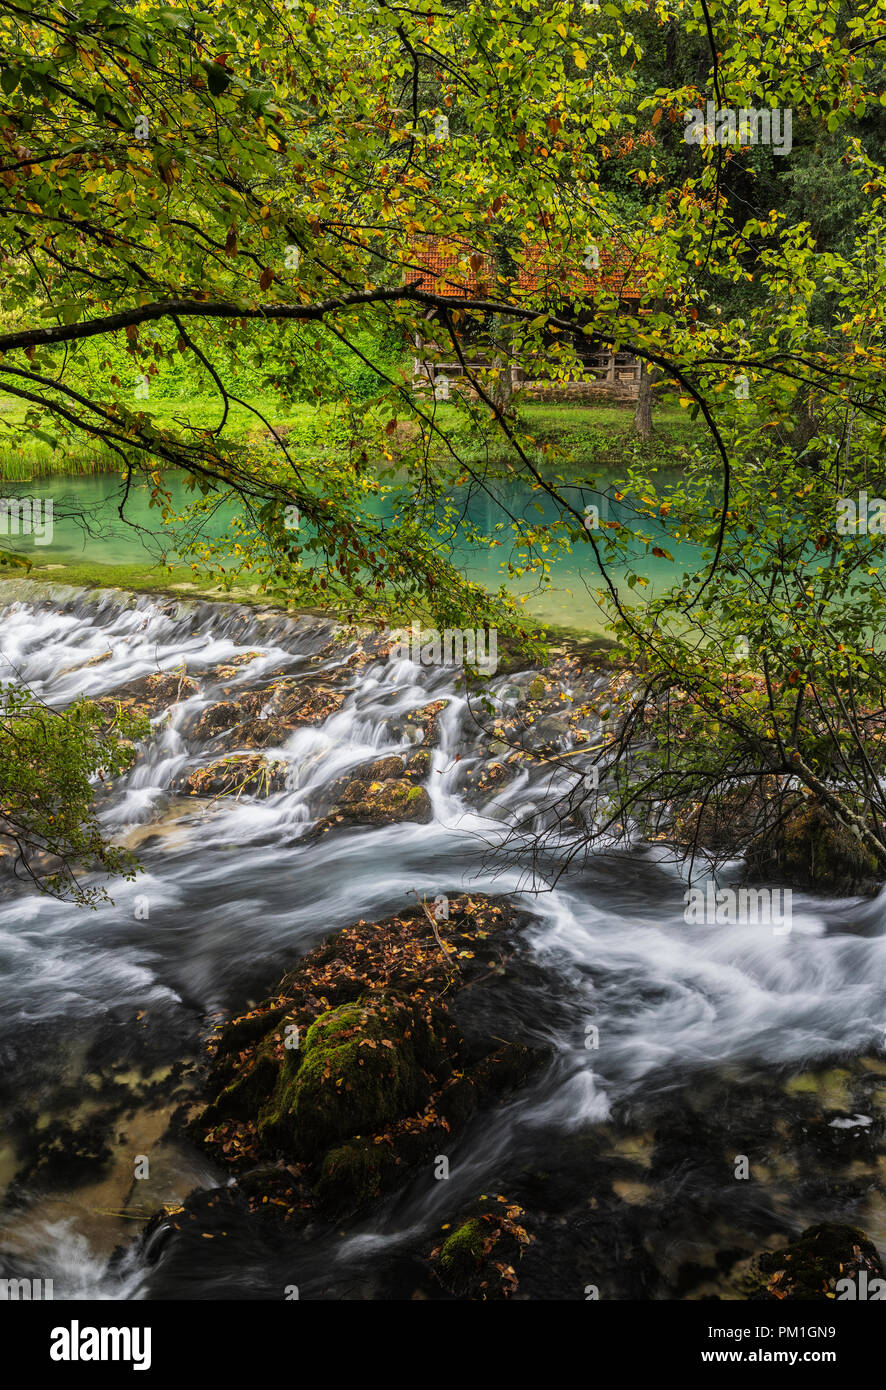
21 465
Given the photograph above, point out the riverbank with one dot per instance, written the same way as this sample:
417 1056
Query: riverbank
577 437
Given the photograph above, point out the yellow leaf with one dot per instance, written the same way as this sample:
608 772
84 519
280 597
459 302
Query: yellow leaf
580 60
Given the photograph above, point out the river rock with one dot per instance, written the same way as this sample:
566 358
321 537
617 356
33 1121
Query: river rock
383 792
485 781
247 773
153 694
810 849
356 1070
812 1266
266 717
477 1259
419 725
379 803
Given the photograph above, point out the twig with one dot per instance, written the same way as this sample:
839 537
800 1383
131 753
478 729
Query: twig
424 907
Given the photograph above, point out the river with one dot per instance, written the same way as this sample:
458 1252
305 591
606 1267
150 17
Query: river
713 1042
87 526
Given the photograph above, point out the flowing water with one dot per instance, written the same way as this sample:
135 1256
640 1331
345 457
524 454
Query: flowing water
714 1042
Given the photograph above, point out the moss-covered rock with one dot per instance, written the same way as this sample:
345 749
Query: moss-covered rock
249 774
354 1175
811 849
478 1259
810 1268
461 1256
379 803
359 1072
355 1071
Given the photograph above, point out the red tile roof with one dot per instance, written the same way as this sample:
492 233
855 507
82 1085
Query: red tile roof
449 267
452 268
561 270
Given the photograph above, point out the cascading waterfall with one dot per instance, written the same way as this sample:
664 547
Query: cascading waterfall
237 888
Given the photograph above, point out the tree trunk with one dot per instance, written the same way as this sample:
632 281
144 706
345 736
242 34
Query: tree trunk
503 385
643 411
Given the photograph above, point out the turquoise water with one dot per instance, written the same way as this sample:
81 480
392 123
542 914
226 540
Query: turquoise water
88 527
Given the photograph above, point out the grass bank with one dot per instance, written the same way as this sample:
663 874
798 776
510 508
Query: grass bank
568 438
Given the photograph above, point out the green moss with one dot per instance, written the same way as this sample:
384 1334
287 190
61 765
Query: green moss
537 688
394 792
813 850
462 1254
359 1072
415 793
248 1091
352 1176
134 578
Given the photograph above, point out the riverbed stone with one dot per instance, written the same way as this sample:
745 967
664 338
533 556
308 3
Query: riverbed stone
356 1069
811 849
478 1258
810 1268
244 774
